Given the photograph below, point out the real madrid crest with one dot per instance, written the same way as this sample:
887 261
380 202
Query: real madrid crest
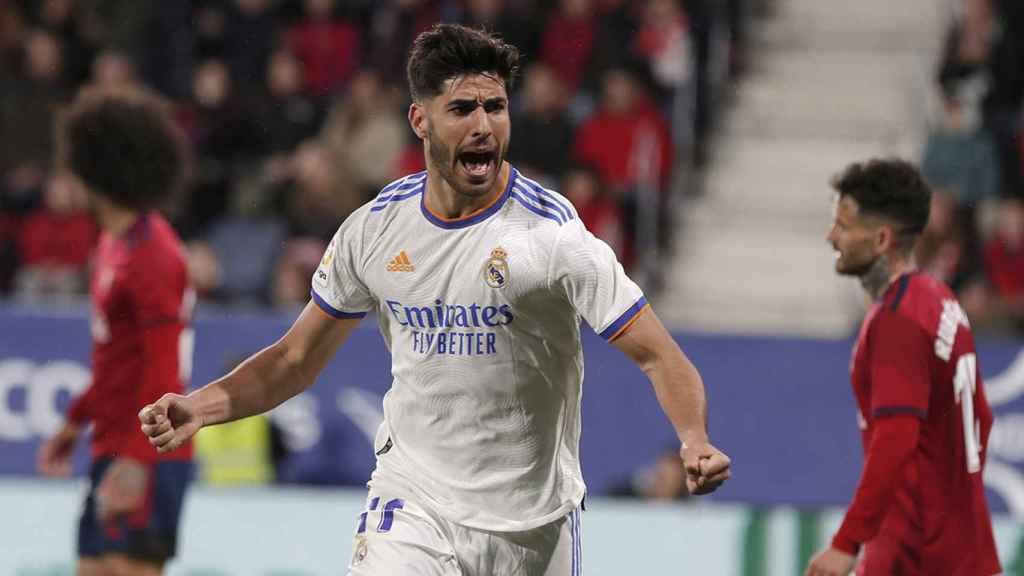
496 268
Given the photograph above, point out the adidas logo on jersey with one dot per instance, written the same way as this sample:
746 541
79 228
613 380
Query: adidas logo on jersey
401 263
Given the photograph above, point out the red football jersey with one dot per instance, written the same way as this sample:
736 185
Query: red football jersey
142 346
915 356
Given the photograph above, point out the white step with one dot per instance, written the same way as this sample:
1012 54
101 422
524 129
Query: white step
836 82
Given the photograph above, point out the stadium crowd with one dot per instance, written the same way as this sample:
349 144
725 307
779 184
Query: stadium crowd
295 114
973 157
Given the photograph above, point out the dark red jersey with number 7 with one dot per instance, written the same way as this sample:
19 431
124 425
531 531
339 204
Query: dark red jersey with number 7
914 365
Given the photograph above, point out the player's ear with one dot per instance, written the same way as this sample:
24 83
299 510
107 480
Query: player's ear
885 238
418 120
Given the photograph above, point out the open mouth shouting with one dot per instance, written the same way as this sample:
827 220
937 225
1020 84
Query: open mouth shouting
479 165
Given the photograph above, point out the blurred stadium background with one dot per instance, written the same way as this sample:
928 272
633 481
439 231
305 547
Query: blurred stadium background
695 136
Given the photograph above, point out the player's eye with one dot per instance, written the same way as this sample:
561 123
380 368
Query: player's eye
494 106
463 109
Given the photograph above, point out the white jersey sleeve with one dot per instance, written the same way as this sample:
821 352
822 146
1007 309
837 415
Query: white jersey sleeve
586 271
338 285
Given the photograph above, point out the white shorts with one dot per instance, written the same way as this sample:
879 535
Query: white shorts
395 536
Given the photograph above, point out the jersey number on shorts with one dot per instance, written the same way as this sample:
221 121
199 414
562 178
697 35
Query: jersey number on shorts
964 384
387 516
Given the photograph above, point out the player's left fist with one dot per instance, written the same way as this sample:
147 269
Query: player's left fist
707 467
170 421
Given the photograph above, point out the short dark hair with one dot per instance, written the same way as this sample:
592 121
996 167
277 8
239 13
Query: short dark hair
448 51
890 188
123 144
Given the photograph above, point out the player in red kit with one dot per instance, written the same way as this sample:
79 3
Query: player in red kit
920 505
127 153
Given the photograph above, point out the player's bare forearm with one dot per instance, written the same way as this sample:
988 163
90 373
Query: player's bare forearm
680 392
677 384
276 373
261 382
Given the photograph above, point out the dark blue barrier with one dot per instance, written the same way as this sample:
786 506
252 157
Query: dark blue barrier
781 407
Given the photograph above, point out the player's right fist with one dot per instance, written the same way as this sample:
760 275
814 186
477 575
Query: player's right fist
170 421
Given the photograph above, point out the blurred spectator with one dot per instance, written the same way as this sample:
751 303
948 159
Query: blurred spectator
245 248
55 242
568 40
960 155
8 251
1002 105
166 35
295 267
44 60
221 136
615 30
204 269
327 47
663 41
249 37
601 215
30 103
58 17
664 480
209 29
515 20
393 26
948 250
364 136
112 68
12 31
627 139
1004 260
412 159
283 115
121 25
238 453
481 13
541 131
254 79
317 197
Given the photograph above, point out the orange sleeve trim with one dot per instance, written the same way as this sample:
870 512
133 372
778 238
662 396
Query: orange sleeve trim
629 324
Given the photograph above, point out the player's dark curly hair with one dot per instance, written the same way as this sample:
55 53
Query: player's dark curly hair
124 145
448 51
889 188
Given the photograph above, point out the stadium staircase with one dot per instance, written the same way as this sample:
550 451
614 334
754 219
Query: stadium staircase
829 82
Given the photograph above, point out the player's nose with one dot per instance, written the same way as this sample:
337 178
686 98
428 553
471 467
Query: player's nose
481 123
830 237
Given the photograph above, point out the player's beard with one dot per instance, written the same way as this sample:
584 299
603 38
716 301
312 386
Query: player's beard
875 276
445 160
856 259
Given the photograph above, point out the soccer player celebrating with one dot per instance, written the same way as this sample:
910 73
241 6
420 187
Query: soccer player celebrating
126 151
920 506
479 277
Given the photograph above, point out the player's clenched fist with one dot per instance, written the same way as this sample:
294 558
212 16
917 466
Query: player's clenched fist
170 421
707 467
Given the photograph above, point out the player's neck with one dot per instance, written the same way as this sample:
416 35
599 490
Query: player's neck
113 219
886 270
444 201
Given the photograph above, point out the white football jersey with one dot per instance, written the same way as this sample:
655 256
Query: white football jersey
481 316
